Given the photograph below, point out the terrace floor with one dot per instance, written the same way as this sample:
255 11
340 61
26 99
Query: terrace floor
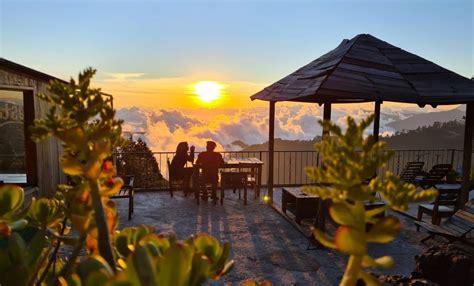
264 244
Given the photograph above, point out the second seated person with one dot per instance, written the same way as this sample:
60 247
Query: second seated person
210 162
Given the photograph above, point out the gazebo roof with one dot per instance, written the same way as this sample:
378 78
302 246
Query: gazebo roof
366 68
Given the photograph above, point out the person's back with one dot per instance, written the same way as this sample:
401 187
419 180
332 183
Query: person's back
177 170
210 162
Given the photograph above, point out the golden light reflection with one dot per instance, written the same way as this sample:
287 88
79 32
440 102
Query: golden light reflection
208 91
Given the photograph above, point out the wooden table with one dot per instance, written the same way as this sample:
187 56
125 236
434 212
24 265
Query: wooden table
254 164
300 204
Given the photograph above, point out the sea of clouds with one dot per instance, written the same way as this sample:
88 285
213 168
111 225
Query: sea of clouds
164 129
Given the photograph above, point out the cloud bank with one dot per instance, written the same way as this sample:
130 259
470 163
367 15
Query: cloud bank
164 129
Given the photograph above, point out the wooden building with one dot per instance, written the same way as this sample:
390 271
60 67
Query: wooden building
22 161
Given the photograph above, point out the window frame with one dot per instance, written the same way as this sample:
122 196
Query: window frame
31 166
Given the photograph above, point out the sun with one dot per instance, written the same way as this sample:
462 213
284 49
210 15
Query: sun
208 91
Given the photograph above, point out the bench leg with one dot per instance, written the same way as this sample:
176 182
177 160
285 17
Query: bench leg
419 218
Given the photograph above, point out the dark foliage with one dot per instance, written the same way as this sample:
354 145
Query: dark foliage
137 159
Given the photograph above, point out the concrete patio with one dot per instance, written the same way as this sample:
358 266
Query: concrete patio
264 244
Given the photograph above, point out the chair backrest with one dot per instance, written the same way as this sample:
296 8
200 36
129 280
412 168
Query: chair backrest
437 173
411 170
447 197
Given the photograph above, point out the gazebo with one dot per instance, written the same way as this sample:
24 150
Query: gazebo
367 69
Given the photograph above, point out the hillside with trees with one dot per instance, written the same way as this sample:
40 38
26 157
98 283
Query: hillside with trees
446 135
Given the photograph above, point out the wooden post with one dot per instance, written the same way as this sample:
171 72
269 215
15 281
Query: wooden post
377 121
326 117
321 219
271 149
467 153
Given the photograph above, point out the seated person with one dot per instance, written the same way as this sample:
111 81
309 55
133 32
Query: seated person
210 162
177 166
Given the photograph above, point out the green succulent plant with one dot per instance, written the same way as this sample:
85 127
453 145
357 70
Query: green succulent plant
347 180
81 215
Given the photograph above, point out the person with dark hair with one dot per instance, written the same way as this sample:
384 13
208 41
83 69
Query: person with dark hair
177 167
210 162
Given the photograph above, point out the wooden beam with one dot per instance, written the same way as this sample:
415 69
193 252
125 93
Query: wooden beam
467 153
377 120
271 149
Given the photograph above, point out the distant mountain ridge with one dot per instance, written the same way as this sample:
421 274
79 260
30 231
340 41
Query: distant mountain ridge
446 135
426 119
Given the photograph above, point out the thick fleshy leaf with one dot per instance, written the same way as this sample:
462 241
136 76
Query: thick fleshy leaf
175 265
324 239
11 199
384 231
144 267
342 214
350 241
92 264
208 246
381 262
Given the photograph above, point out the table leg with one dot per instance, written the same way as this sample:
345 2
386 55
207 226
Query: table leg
259 179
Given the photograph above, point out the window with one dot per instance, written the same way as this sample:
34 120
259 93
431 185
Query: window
14 148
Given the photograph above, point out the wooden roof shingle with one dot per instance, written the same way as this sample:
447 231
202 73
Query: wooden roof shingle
366 68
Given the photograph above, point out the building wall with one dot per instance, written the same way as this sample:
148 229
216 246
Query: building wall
49 150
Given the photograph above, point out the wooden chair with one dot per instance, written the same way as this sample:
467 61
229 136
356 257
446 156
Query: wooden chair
236 180
125 192
444 205
204 189
457 227
175 184
411 170
435 175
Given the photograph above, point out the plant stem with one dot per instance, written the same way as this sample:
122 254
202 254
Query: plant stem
53 257
352 271
70 262
105 247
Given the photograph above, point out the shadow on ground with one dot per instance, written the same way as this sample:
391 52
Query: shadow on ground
264 244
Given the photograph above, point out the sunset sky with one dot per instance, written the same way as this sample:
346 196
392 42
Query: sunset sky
150 54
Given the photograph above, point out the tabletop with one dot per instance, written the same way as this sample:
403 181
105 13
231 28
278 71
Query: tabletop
237 161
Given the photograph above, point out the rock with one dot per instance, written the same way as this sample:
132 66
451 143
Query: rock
446 264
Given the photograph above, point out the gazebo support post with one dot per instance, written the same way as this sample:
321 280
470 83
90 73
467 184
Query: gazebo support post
377 120
326 116
321 219
467 153
271 150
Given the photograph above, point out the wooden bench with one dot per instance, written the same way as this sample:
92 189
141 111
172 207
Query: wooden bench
126 192
457 227
302 205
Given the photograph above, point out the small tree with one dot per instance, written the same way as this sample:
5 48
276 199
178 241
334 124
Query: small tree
349 161
135 158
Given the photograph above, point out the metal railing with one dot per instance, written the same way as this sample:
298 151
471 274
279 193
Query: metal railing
289 167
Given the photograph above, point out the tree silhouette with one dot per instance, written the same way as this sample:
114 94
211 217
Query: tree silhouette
137 159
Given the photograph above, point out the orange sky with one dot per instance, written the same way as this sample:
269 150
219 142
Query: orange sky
176 93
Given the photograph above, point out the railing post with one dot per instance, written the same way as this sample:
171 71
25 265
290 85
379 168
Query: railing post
452 157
